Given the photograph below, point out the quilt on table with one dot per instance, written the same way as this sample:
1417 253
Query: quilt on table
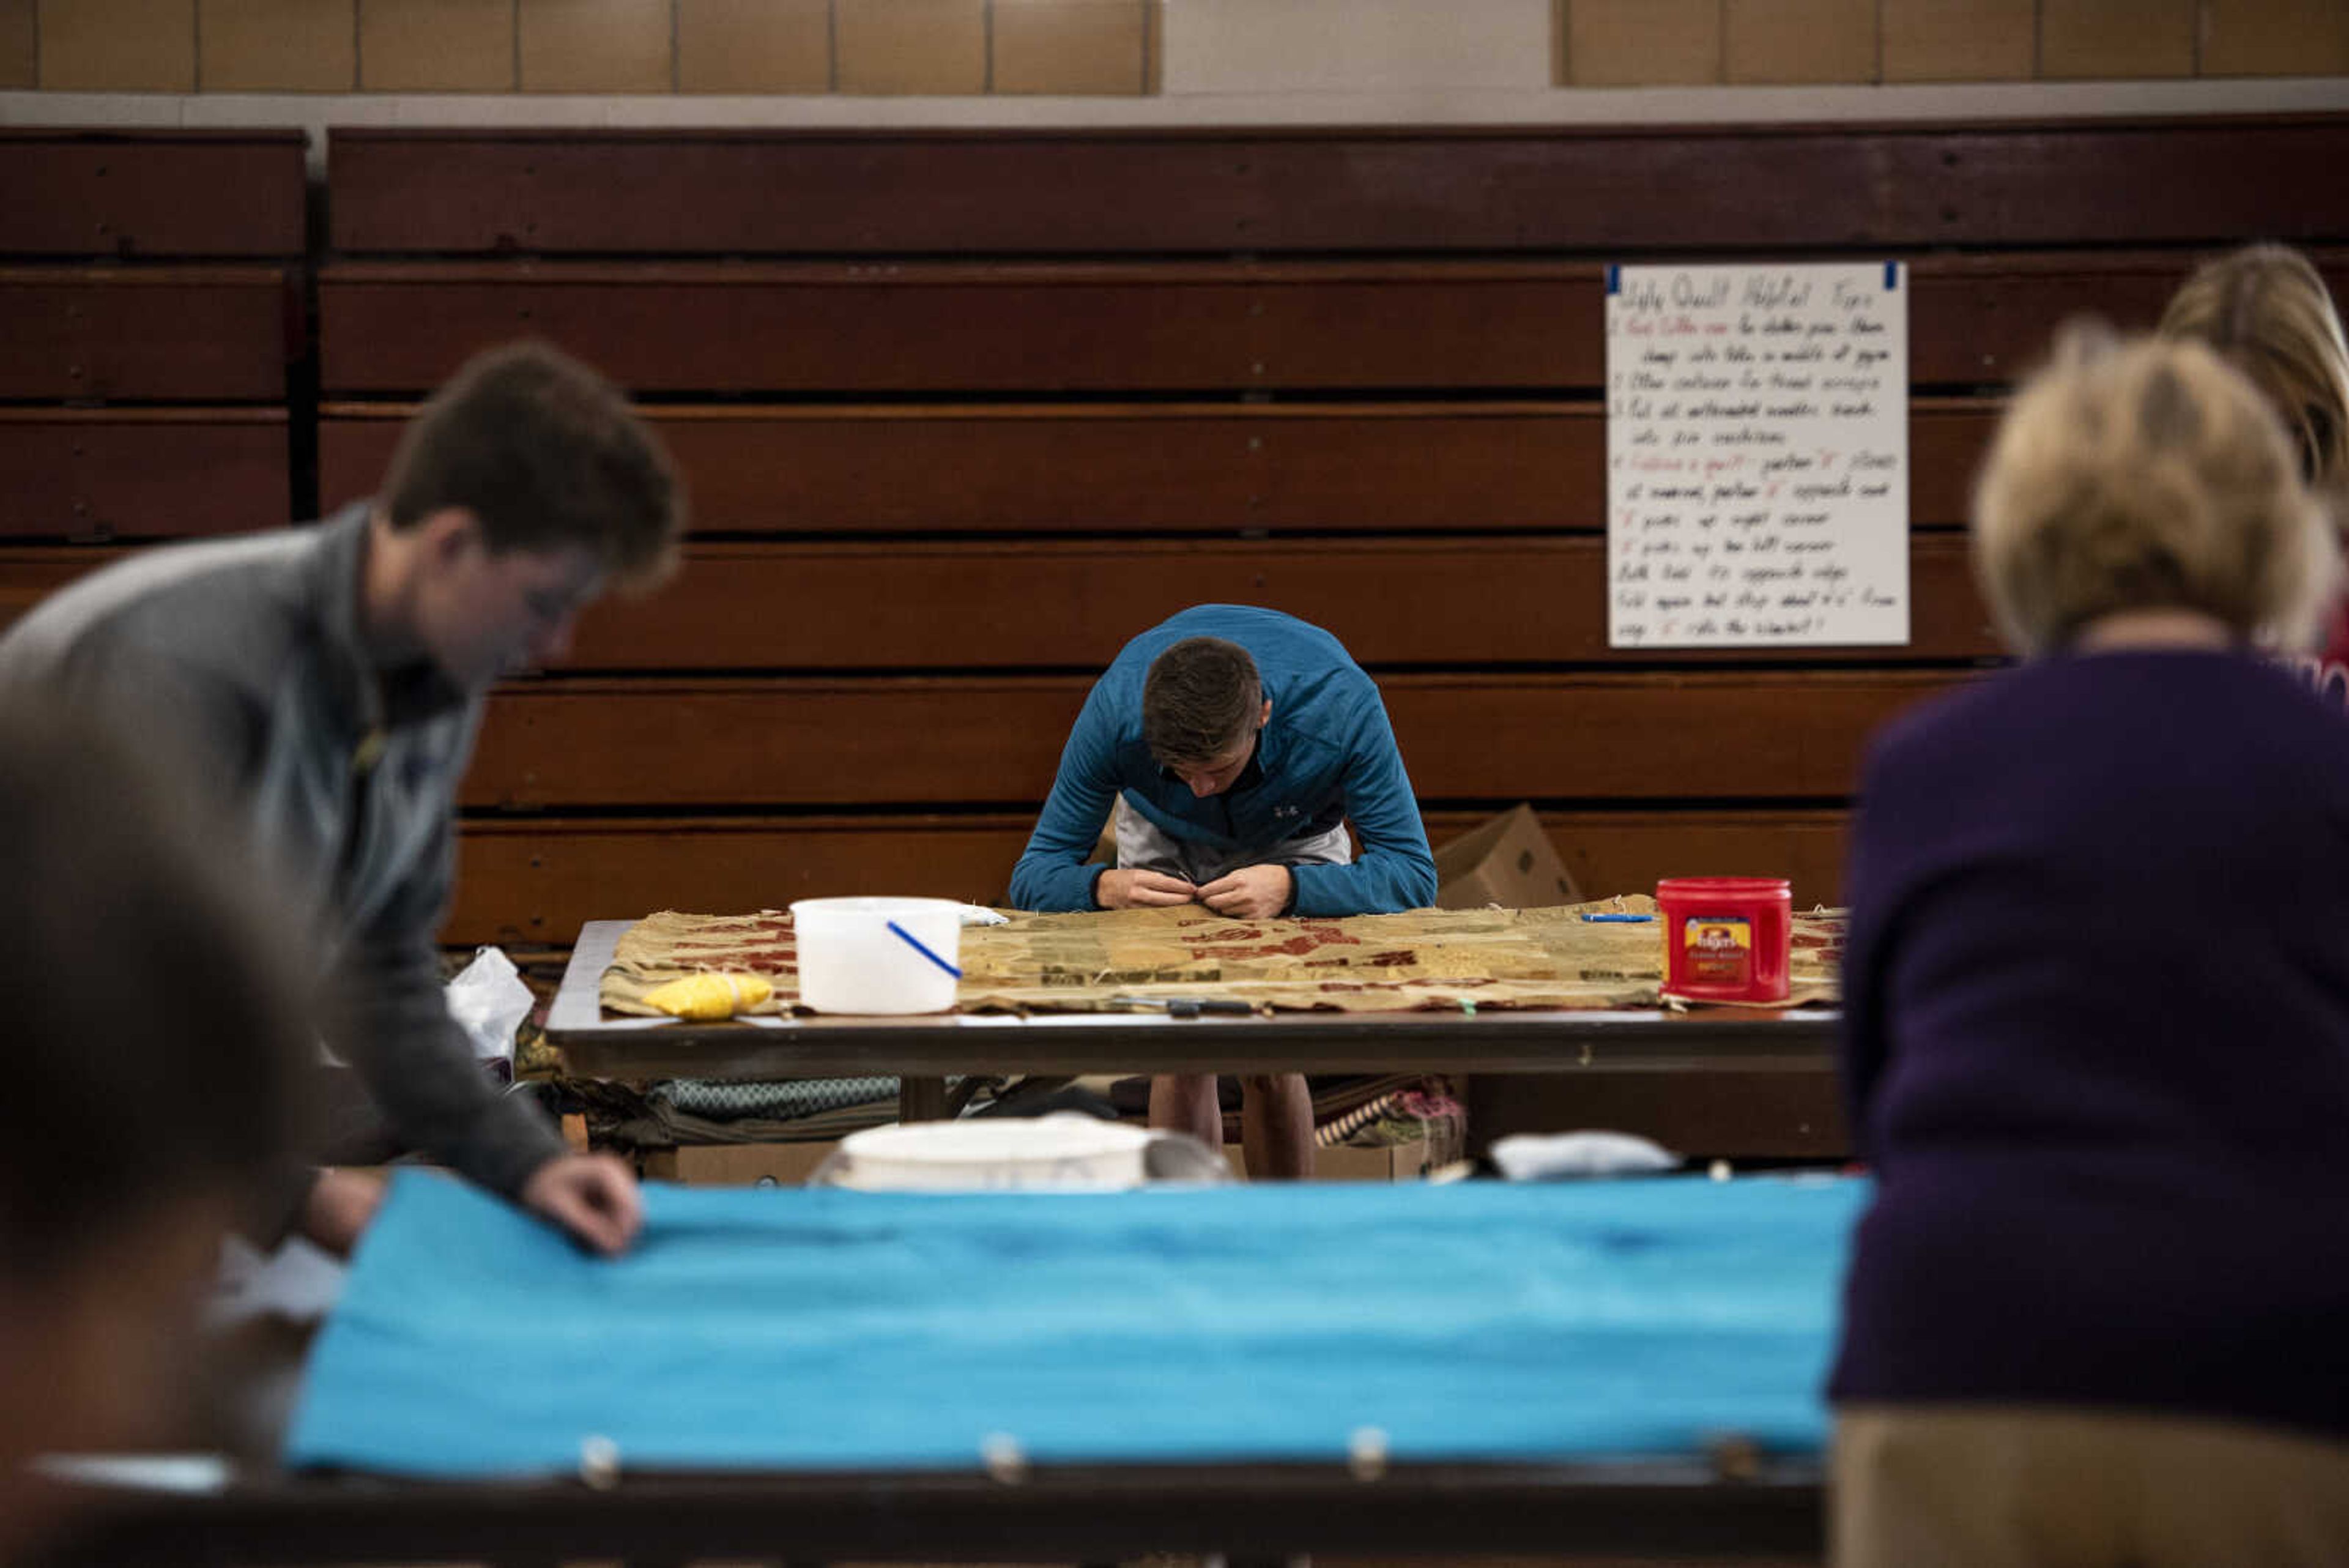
1424 958
814 1328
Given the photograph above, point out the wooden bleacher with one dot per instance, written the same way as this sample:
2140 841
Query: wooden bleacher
960 411
150 297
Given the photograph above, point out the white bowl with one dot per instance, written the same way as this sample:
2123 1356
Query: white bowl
1065 1151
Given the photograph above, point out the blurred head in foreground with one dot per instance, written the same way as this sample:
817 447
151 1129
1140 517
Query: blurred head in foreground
2265 310
2148 476
154 1044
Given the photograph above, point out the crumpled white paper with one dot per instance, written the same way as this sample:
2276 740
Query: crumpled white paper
488 1001
1551 1157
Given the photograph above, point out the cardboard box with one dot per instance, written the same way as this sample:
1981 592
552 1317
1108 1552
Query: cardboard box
1398 1162
738 1164
1508 861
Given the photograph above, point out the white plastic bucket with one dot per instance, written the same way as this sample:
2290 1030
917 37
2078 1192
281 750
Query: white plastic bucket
1062 1152
851 961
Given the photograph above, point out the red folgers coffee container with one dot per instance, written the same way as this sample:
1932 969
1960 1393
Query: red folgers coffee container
1727 939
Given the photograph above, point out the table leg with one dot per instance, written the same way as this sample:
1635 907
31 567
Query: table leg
922 1099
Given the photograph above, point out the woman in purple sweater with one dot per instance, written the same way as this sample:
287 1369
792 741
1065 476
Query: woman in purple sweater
2096 1042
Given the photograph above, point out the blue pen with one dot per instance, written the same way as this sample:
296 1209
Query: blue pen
1620 919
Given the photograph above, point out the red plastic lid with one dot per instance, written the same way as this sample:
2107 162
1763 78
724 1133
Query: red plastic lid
1725 887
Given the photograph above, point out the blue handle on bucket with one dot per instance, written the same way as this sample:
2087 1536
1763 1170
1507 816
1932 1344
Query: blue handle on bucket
915 942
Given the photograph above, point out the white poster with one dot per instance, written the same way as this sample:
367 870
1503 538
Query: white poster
1757 455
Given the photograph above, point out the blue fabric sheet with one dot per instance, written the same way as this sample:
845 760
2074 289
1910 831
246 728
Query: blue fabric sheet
795 1328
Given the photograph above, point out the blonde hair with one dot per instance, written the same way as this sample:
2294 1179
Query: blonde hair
2146 475
2266 311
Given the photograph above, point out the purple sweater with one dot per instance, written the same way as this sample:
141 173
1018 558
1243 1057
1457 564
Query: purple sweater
2096 1045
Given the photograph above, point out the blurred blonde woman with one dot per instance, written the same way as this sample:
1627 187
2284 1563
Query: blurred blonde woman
2267 313
2097 1037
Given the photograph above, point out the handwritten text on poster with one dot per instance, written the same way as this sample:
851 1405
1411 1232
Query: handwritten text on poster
1757 455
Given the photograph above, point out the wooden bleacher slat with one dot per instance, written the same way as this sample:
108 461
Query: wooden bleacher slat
1178 468
1699 735
681 328
120 192
1993 322
1057 604
1469 190
538 881
944 605
912 741
142 474
1078 467
1047 327
186 334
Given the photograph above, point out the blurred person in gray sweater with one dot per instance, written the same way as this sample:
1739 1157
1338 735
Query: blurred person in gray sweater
324 684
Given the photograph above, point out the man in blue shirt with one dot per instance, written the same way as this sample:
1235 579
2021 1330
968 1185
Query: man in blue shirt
1234 744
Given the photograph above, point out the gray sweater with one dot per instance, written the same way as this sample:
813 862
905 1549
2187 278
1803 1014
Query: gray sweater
246 654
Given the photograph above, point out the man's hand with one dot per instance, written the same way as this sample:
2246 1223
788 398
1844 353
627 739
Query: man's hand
1141 890
1250 893
340 1205
593 1196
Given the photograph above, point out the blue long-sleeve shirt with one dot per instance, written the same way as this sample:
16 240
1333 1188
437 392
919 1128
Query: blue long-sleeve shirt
1326 755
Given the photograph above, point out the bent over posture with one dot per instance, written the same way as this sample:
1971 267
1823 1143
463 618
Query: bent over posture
325 684
1235 746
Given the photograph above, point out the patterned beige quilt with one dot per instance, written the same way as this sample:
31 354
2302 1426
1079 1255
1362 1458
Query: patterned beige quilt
1452 959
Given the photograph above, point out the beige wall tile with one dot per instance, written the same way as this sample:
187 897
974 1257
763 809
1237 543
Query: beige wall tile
597 46
1153 46
2275 37
1643 42
437 45
1801 41
2105 38
276 46
754 45
20 56
1355 46
1068 45
1958 40
118 46
910 45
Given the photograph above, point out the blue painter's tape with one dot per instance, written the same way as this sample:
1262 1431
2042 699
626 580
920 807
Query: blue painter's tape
1891 275
1614 279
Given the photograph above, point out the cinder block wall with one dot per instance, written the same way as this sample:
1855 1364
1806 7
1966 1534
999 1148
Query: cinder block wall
946 48
1136 48
1655 43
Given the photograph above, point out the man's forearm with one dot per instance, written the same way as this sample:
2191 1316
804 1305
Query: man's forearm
421 1072
1377 884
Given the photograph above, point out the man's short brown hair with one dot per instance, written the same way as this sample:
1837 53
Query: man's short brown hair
1199 701
545 454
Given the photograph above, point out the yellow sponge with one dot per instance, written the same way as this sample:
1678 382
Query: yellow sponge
709 996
